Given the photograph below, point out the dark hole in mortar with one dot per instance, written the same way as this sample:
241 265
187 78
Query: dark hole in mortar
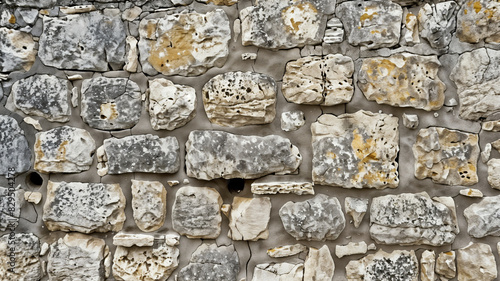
34 179
236 185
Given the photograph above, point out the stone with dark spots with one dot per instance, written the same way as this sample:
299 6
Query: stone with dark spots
25 248
396 266
17 50
11 202
15 154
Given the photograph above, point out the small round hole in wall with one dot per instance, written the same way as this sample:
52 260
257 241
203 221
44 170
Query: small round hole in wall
34 180
236 185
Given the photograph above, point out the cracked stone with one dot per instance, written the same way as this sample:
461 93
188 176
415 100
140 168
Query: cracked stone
17 50
298 188
437 22
129 240
427 264
476 262
482 218
494 173
286 251
477 20
445 264
149 204
319 265
278 272
25 248
292 120
33 197
356 150
15 153
249 218
334 32
11 202
356 208
410 121
84 207
351 249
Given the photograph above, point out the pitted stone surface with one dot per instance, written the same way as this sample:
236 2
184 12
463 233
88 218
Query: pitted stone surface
316 219
483 218
11 202
17 50
15 153
494 173
403 80
186 44
477 20
217 154
110 103
298 188
25 248
292 120
476 262
398 265
446 156
437 22
237 99
149 204
278 272
84 207
355 150
319 264
249 218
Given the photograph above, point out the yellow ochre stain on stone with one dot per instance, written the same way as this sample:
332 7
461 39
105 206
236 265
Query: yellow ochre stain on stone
294 26
331 155
222 2
108 111
12 19
61 151
477 6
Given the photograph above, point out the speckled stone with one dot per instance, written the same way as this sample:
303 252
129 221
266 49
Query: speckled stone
25 248
482 218
437 22
477 20
15 154
278 272
149 204
249 218
476 262
11 202
398 265
17 50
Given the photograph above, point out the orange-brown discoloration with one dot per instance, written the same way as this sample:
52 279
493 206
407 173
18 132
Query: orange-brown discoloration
477 6
108 111
61 151
12 19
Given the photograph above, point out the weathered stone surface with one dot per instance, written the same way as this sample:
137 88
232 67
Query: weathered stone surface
249 218
403 80
316 219
351 249
471 192
477 77
219 2
86 41
356 208
238 98
492 126
286 251
15 154
278 272
149 204
476 262
25 249
298 188
110 103
477 20
132 60
355 150
494 173
412 219
319 265
184 43
411 27
437 22
445 265
483 218
374 24
196 212
410 121
317 80
79 256
129 240
398 265
446 156
292 120
33 196
211 263
427 264
486 153
334 32
131 14
11 201
33 122
77 9
170 105
217 154
138 153
17 50
84 207
64 149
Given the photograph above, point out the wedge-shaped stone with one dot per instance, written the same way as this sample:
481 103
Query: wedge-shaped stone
249 218
149 204
210 262
25 249
413 219
298 188
278 272
355 150
319 265
356 208
17 50
437 22
15 153
398 265
217 154
84 207
403 80
11 202
477 20
476 262
482 218
446 156
184 43
237 99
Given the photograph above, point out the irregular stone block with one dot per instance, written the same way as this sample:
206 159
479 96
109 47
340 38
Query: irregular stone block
317 80
17 50
33 122
292 120
84 207
410 121
355 150
149 204
351 249
445 264
33 197
25 249
15 153
471 192
411 28
278 272
186 44
196 212
110 103
132 60
170 105
398 265
77 9
11 202
486 153
446 156
334 32
219 2
316 219
437 22
494 173
491 126
412 219
210 263
403 80
427 264
319 264
356 208
286 251
482 218
476 262
477 20
129 240
373 24
249 218
283 187
237 99
216 154
64 150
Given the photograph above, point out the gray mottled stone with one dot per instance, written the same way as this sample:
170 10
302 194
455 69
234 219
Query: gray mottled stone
476 262
15 154
477 20
238 98
319 265
86 41
445 264
139 153
196 212
84 207
217 154
211 263
249 218
25 248
483 218
292 120
356 208
11 202
412 219
17 50
278 272
437 22
149 204
374 24
398 265
316 219
110 103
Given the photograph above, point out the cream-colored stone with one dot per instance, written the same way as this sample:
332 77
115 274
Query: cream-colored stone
486 153
356 208
172 239
249 56
476 262
33 196
298 188
129 240
398 265
131 14
410 121
249 218
427 265
132 61
173 182
477 20
286 251
278 272
334 32
149 204
471 192
445 264
411 27
494 173
77 9
33 122
351 249
492 126
319 265
496 145
19 257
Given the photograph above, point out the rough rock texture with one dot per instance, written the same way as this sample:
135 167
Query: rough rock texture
316 219
445 264
17 50
471 192
319 265
64 150
411 28
319 80
149 204
298 188
211 263
355 150
476 262
110 103
237 99
33 196
286 251
249 218
446 156
196 212
139 153
184 43
86 41
129 240
477 20
494 173
412 219
374 24
84 207
437 22
427 264
15 154
25 248
356 208
410 121
351 249
217 154
11 202
292 120
491 126
486 153
334 32
477 77
398 265
278 272
170 105
79 256
219 2
403 80
483 218
132 60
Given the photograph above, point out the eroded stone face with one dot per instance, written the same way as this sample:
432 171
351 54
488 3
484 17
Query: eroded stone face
292 120
437 22
477 20
482 218
351 249
476 262
427 265
186 44
15 154
403 80
25 248
210 263
356 208
17 50
446 156
445 264
355 150
149 204
249 218
278 272
398 265
319 264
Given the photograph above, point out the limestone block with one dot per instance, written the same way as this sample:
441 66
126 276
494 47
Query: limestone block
15 153
319 265
398 265
351 249
77 9
33 122
482 218
149 204
286 251
249 218
411 27
17 50
129 240
33 197
298 188
471 192
494 173
410 121
427 265
477 21
210 262
292 120
334 32
437 22
486 153
445 264
492 126
278 272
132 61
476 262
356 208
25 248
131 14
11 202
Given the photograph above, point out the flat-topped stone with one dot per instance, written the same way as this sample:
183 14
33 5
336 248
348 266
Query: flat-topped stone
476 262
249 218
